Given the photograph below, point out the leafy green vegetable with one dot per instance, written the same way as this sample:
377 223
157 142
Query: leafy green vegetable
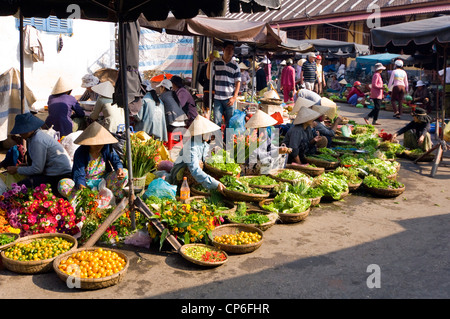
294 175
234 184
259 180
224 162
288 203
385 183
333 185
329 151
325 157
241 216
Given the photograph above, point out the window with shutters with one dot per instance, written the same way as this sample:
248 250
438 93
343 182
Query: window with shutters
52 24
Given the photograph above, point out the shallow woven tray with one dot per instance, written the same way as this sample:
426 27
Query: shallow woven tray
181 251
354 187
273 174
199 193
264 187
235 229
91 283
244 197
329 198
265 226
16 236
311 171
382 192
35 266
216 173
322 163
232 207
315 201
427 158
289 218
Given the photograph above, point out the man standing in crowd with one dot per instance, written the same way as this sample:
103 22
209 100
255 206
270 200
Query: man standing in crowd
309 72
227 82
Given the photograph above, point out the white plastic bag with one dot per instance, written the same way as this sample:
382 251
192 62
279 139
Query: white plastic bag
106 195
140 238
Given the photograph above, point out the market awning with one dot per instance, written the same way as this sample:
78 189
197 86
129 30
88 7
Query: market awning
331 47
130 10
238 30
410 37
384 58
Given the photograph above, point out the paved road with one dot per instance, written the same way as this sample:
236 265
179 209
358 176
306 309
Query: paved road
361 247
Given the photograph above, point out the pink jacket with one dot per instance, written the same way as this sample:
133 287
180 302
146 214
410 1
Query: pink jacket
376 91
288 76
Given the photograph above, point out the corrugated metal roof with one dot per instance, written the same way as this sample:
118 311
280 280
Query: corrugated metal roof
317 9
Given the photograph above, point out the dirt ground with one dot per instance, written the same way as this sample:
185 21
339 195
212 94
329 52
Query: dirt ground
358 248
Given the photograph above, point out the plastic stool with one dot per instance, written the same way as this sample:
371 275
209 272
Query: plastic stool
171 143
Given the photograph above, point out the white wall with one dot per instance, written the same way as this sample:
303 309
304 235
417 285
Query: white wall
90 48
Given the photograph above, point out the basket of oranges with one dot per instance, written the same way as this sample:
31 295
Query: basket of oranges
237 238
36 253
91 268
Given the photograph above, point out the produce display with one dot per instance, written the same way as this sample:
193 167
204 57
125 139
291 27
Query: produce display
235 184
211 203
241 216
241 238
385 183
203 253
332 185
224 162
6 239
39 249
294 175
261 180
352 174
288 203
325 157
98 263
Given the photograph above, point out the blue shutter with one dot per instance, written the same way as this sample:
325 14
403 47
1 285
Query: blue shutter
52 24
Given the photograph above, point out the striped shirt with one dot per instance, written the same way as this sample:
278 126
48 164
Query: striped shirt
309 71
226 75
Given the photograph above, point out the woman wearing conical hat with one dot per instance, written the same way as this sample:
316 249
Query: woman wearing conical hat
63 108
328 111
302 138
95 160
194 153
265 157
113 115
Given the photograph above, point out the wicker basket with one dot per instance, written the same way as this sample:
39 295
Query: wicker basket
37 266
322 163
272 219
383 192
139 182
196 192
264 187
311 171
182 252
244 197
315 201
15 236
411 156
91 283
232 207
232 229
354 187
273 174
216 173
330 199
286 217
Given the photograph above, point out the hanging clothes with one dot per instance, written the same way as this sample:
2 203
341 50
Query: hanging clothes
33 44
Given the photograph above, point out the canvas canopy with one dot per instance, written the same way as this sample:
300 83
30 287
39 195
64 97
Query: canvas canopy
340 49
410 37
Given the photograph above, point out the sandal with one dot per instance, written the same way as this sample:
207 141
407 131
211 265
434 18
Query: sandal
376 123
366 120
396 114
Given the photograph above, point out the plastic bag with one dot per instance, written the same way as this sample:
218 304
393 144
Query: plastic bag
140 238
237 121
345 131
161 189
106 195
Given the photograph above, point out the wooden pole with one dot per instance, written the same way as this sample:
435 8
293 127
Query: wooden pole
123 74
22 76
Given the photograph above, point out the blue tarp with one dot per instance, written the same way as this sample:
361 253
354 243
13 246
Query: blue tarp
385 58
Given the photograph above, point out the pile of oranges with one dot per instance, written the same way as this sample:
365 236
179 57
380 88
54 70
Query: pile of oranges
98 263
242 238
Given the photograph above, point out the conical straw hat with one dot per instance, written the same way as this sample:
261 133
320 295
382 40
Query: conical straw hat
343 82
260 119
201 125
301 102
271 94
95 134
306 114
326 107
63 85
242 66
105 89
